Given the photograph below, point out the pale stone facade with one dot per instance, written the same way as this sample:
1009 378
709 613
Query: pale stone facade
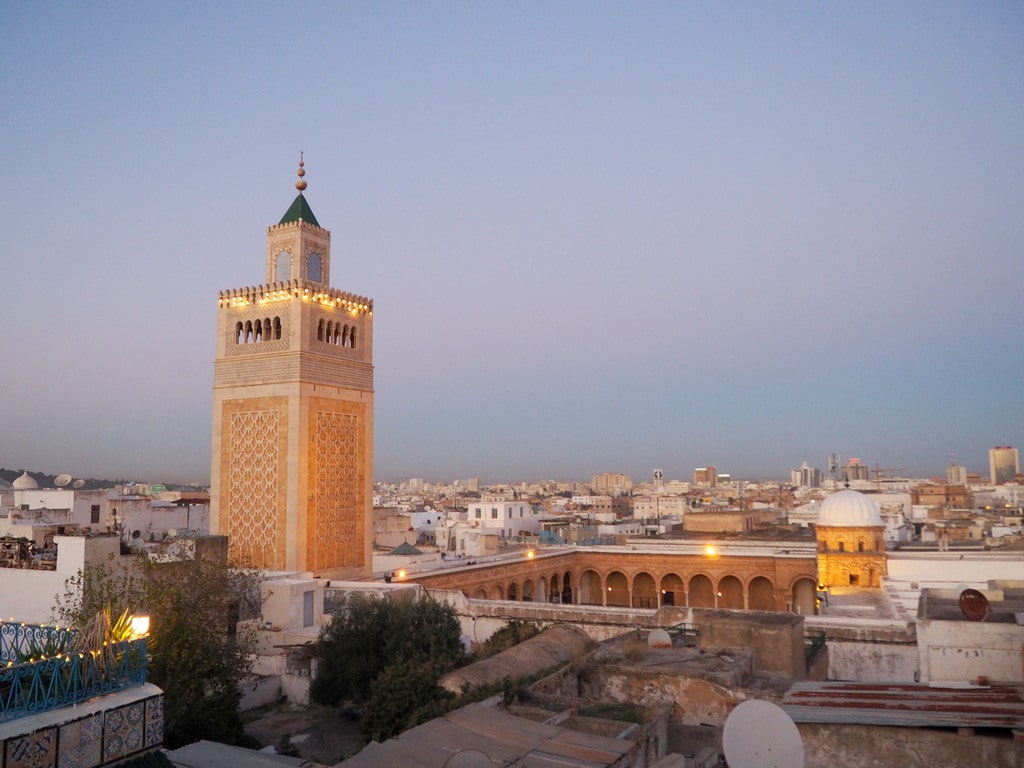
292 448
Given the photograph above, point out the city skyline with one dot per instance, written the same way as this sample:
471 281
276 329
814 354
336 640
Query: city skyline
597 237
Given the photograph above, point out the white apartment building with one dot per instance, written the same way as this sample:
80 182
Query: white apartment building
506 518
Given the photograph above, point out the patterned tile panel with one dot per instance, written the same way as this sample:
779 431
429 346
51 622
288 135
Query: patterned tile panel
154 722
33 750
123 731
81 743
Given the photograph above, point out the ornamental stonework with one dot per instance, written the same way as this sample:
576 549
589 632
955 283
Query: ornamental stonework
337 453
253 462
290 367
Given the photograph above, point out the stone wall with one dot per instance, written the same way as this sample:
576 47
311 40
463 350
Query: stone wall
776 639
827 746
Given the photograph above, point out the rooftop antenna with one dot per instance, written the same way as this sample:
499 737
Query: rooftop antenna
833 468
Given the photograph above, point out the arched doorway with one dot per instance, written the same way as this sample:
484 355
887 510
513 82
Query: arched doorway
701 592
499 593
590 589
567 588
513 591
644 593
618 589
803 596
480 594
542 590
556 589
730 593
673 591
762 595
528 591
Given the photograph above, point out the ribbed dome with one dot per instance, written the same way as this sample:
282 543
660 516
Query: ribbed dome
25 483
849 509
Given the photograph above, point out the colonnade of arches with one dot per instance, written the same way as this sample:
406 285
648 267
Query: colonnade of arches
252 331
336 333
643 590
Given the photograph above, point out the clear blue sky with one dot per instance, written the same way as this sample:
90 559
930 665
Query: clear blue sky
599 236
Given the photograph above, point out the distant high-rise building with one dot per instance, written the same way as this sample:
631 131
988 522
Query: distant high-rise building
956 475
854 469
292 448
611 483
806 476
1003 464
705 476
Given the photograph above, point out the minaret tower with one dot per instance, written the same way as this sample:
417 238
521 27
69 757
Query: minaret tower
292 452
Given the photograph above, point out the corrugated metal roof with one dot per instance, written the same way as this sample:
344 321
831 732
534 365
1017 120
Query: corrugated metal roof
504 738
906 704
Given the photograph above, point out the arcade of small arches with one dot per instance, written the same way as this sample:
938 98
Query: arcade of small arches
254 331
644 590
769 582
336 333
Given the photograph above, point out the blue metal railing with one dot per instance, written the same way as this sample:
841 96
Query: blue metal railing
30 685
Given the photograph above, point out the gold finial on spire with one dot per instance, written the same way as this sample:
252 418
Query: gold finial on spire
300 184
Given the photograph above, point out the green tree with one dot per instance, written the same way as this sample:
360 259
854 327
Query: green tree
197 657
402 696
387 654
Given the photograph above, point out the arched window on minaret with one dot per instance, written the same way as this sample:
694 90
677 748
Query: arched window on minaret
257 331
248 331
337 334
239 331
344 336
314 268
283 267
268 329
352 337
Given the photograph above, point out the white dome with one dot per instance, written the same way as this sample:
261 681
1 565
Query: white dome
25 483
849 509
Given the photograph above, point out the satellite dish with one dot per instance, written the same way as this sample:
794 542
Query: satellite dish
759 734
62 480
172 533
78 483
468 758
974 605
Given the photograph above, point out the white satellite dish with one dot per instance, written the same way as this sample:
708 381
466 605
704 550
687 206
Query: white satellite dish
468 758
78 483
172 533
759 734
62 480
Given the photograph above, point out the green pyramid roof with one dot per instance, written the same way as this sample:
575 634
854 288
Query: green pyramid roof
299 209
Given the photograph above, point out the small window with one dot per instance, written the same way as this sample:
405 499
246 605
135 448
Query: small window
94 514
307 608
283 267
314 268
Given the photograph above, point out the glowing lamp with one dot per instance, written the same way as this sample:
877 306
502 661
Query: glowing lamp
709 551
401 574
530 554
140 626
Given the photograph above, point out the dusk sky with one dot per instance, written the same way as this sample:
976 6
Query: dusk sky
599 237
